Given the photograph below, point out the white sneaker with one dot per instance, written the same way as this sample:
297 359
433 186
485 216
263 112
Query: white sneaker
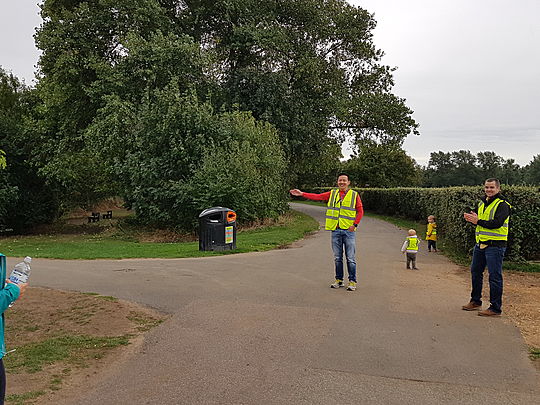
351 286
337 284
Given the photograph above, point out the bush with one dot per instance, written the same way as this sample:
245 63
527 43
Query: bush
245 173
173 156
449 204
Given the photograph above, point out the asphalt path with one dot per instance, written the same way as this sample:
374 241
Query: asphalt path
265 328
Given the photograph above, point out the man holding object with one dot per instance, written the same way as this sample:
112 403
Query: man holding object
343 215
491 220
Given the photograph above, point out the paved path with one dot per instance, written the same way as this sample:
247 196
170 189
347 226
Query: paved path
265 328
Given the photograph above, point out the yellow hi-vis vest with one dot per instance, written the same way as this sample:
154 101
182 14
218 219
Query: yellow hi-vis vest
340 213
487 214
413 243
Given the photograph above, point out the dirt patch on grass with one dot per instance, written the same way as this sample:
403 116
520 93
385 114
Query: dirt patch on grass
63 340
522 304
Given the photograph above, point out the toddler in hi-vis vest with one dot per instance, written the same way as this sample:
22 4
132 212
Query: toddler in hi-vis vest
431 234
410 247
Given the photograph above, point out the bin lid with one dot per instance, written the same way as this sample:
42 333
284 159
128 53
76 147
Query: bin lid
213 210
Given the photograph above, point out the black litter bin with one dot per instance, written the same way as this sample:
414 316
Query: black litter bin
217 229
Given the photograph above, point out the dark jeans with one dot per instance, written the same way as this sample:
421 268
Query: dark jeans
2 382
342 238
432 244
492 257
411 259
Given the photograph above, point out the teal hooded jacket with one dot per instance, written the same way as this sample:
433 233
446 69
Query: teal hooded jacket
8 294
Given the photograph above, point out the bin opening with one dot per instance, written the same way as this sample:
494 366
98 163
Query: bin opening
231 216
215 217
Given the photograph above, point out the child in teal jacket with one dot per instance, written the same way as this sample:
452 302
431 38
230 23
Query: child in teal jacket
9 293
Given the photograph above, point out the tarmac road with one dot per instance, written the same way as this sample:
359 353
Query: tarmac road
265 328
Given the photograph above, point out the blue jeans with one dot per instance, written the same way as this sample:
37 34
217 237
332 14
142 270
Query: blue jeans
492 257
340 238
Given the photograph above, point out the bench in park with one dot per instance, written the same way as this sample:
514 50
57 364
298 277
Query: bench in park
107 215
4 229
94 217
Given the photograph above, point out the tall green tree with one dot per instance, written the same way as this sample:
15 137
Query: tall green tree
463 168
510 172
81 41
532 171
309 67
380 165
26 197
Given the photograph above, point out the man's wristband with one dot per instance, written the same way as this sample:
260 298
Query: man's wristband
355 225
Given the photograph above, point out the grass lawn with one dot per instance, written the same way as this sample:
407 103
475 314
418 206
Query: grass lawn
108 245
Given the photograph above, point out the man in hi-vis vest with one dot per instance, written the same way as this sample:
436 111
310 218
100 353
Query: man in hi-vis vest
491 219
343 214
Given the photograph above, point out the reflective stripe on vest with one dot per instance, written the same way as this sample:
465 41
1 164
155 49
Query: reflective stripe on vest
340 213
413 243
487 214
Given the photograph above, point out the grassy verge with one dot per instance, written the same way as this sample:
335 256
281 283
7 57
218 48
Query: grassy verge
55 343
114 246
73 350
21 399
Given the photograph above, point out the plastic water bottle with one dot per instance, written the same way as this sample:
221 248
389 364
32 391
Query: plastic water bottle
21 271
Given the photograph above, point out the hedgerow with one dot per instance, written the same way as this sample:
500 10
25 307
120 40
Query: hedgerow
449 204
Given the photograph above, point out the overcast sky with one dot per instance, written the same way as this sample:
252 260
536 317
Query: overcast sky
468 68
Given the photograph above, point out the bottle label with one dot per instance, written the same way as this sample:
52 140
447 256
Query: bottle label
17 277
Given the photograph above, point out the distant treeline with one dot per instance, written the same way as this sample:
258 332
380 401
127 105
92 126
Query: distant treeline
381 166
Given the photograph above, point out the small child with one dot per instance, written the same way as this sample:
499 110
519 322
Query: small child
431 234
410 246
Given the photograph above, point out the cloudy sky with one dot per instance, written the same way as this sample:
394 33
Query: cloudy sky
468 68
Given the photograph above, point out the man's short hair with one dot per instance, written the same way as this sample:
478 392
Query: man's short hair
343 174
493 180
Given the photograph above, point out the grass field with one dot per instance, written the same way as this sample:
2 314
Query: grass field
115 245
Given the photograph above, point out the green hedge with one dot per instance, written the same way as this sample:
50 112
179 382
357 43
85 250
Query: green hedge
449 204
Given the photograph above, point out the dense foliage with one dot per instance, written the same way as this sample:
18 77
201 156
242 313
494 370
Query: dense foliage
177 105
449 204
462 168
379 165
309 67
27 197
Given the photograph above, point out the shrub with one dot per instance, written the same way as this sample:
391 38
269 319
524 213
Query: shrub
173 156
449 204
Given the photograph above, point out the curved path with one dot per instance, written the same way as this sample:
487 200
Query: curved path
265 328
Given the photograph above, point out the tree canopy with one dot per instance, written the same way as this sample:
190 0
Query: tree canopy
464 168
139 97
